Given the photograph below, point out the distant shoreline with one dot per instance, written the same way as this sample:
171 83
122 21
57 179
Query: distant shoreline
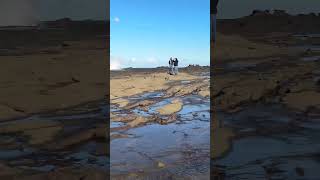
62 21
160 67
272 13
262 22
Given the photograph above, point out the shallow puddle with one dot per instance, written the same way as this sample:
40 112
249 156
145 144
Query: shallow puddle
312 48
17 150
271 142
239 66
148 95
15 153
306 36
311 58
182 147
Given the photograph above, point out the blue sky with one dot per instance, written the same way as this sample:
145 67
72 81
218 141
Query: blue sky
146 33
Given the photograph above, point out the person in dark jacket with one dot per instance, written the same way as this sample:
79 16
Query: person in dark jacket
213 14
175 64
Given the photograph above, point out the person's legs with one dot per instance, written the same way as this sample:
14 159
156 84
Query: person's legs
175 70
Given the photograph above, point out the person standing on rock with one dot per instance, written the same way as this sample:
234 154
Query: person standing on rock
175 64
171 66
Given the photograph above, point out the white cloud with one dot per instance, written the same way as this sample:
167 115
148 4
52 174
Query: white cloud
133 59
116 19
115 63
152 60
119 62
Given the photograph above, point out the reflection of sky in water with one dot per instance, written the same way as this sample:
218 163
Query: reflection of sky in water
185 82
163 142
141 112
87 159
255 148
309 47
311 58
239 66
160 142
115 124
258 114
194 108
310 168
153 108
85 156
249 154
44 168
304 36
148 95
12 154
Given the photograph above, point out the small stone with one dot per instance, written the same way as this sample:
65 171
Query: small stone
133 175
75 80
161 165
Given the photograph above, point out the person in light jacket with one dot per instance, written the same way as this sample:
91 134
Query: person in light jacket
171 65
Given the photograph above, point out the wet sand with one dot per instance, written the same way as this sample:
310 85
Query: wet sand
53 112
160 124
52 68
267 104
